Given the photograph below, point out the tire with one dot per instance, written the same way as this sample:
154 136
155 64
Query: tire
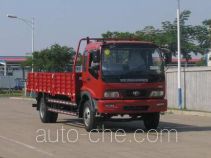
89 116
45 115
151 120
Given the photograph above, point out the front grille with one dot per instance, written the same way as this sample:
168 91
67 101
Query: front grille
135 108
135 93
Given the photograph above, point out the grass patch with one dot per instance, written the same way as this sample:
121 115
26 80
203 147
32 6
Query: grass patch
186 110
10 93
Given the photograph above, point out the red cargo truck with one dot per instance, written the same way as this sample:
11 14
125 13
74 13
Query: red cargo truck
119 77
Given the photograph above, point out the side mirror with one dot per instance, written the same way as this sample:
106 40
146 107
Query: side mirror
168 58
96 56
167 55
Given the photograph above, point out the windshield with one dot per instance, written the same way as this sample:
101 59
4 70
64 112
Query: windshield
131 62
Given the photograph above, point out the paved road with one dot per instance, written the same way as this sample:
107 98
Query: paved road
22 135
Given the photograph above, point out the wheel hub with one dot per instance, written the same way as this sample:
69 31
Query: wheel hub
87 116
42 109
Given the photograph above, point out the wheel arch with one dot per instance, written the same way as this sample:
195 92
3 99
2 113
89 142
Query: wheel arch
84 97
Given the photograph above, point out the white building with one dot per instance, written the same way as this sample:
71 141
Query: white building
12 71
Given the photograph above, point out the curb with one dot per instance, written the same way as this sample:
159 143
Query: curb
191 113
22 98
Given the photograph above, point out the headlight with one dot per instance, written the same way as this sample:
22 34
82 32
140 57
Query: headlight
111 94
156 94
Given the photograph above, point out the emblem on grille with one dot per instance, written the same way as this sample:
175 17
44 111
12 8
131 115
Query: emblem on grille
136 93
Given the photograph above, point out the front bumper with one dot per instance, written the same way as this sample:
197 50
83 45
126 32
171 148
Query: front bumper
131 106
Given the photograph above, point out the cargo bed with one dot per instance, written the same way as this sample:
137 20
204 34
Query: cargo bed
54 83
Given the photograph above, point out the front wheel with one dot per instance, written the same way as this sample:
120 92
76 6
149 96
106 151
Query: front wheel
89 116
45 115
151 120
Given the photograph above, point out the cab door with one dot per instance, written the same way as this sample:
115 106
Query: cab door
90 74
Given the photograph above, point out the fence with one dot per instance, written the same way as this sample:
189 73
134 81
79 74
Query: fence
196 88
7 82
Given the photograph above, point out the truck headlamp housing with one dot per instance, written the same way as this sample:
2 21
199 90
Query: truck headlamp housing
157 93
111 94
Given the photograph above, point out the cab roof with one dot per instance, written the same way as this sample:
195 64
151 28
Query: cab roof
97 44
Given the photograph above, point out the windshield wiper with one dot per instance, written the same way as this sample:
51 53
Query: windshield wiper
111 76
136 72
142 72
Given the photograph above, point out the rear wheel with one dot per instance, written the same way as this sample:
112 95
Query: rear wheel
45 115
89 116
151 120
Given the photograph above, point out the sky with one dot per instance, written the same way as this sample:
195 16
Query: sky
66 21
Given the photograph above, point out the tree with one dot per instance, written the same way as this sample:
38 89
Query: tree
193 38
118 35
54 59
207 30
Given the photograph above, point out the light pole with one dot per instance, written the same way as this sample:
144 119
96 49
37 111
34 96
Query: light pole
179 57
31 24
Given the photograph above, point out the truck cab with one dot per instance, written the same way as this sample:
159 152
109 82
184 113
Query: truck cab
123 77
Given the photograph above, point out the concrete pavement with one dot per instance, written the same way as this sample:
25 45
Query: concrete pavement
23 135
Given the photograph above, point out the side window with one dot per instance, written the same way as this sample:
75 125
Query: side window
94 59
85 61
94 63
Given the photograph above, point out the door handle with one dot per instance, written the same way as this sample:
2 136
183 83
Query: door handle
88 79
